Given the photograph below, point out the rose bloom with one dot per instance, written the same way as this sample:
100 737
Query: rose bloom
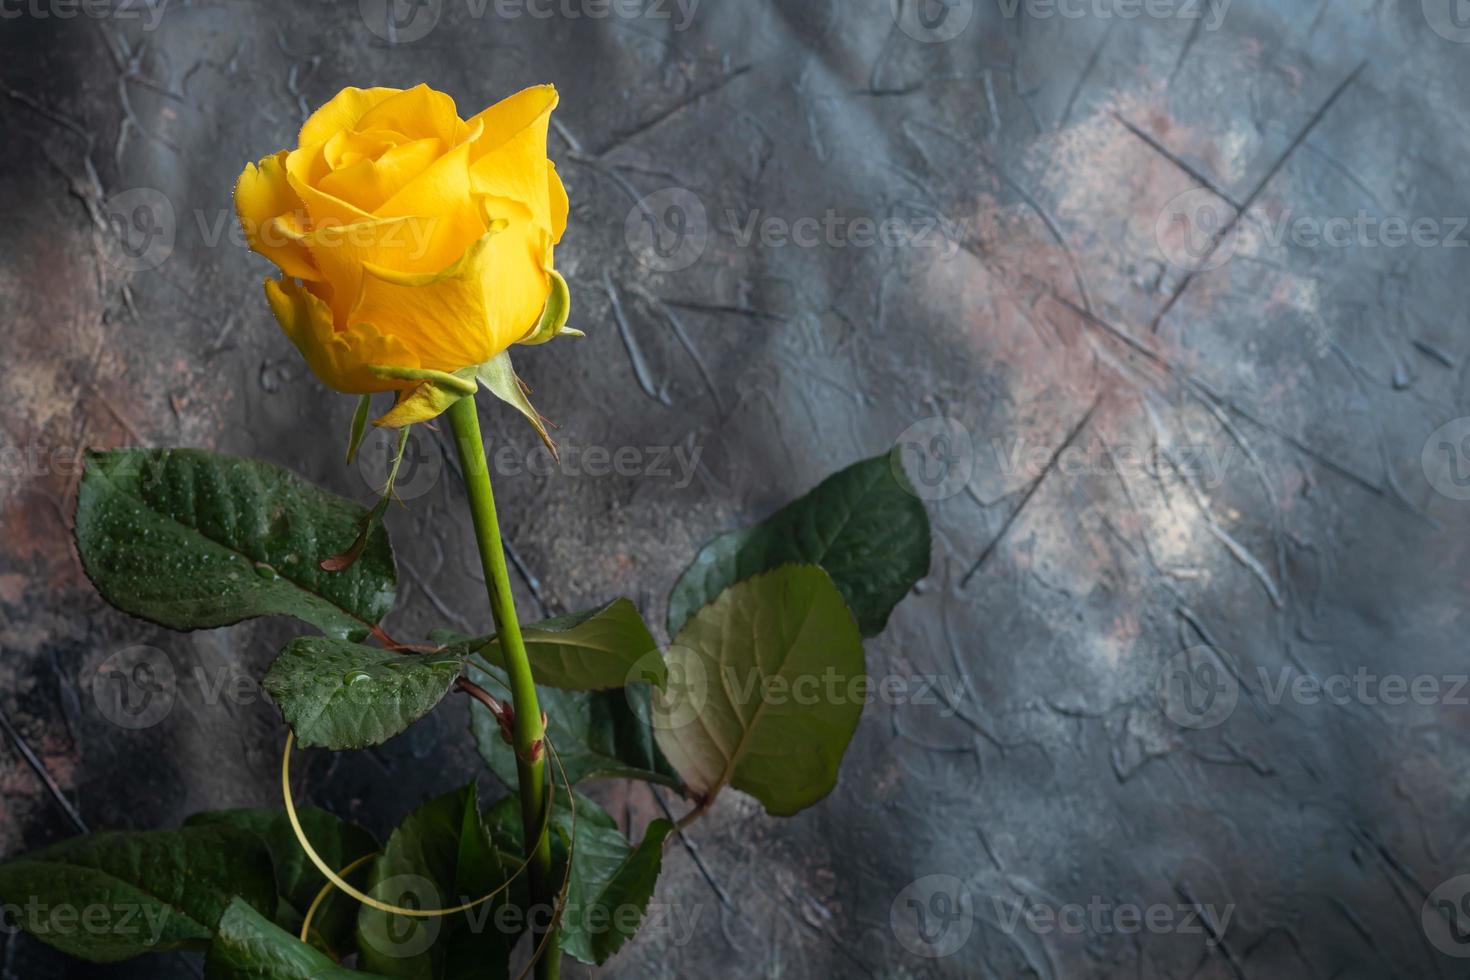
409 239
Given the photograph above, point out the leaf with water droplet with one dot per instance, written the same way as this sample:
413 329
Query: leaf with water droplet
339 695
193 540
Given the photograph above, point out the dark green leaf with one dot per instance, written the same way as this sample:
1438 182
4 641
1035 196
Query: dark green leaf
192 539
297 880
441 856
340 695
864 525
250 947
610 888
110 896
597 734
595 650
766 684
611 882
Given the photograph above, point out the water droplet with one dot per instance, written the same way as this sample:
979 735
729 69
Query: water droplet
357 677
266 572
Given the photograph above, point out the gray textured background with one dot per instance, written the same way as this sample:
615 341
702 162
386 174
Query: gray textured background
1289 531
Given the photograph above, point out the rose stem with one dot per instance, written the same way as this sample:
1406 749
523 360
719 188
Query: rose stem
529 731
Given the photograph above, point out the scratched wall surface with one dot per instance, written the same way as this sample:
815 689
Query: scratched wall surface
1192 459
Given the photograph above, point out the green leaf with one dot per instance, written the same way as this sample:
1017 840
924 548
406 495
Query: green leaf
864 525
111 896
766 684
250 947
297 880
611 882
191 539
359 426
597 734
499 376
595 650
610 888
441 856
339 695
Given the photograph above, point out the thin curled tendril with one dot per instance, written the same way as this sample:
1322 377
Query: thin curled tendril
366 899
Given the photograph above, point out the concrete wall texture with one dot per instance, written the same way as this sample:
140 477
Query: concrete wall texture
1183 283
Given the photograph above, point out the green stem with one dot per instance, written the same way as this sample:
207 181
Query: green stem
529 731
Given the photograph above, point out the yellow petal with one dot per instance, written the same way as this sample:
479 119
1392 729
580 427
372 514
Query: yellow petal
340 358
471 311
349 146
418 113
442 192
505 120
343 112
263 197
560 205
368 182
509 158
341 251
306 167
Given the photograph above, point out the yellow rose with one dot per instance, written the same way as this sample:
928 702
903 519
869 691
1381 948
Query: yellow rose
412 244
